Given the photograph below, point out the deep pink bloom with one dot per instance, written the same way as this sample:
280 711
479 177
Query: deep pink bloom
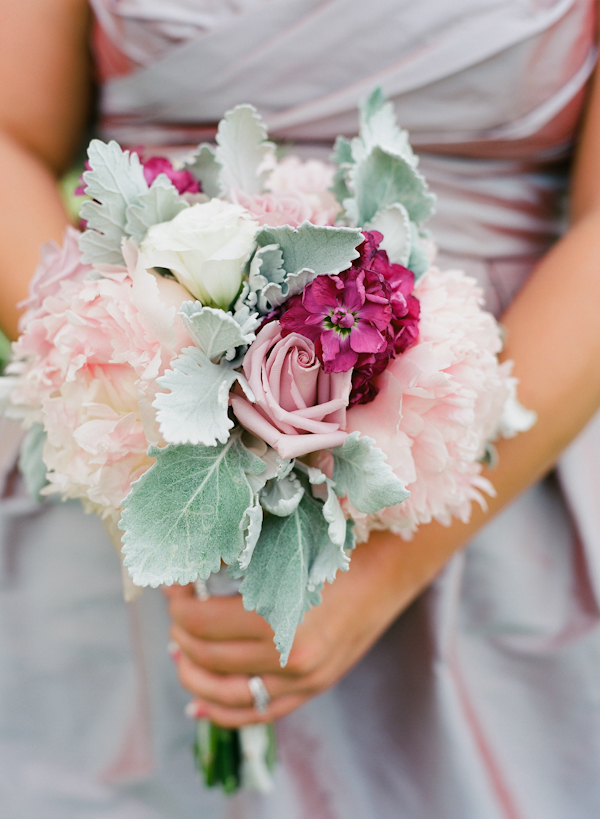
361 318
184 180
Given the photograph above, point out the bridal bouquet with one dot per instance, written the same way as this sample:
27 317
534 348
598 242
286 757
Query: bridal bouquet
253 363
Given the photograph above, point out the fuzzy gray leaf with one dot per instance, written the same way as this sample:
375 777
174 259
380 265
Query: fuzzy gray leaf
214 331
276 583
115 181
361 471
194 411
323 249
204 166
185 514
242 148
160 203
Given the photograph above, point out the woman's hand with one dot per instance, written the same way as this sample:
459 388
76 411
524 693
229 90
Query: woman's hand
221 645
553 336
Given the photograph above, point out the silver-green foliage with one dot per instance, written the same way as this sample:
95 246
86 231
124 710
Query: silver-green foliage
182 517
377 171
115 181
323 249
31 460
194 410
361 471
160 203
276 583
242 148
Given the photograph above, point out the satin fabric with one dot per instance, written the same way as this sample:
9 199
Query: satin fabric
483 700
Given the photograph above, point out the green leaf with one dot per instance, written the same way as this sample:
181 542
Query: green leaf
115 181
275 294
394 223
361 472
340 188
381 180
252 525
281 496
342 152
185 514
333 555
215 332
418 260
204 166
324 250
31 460
276 582
266 266
242 148
379 127
160 203
195 410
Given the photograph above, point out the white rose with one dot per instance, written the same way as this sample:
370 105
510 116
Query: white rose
205 247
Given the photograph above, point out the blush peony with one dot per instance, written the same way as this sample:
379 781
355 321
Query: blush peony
296 192
87 359
438 405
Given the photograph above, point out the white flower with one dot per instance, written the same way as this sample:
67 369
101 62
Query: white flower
205 247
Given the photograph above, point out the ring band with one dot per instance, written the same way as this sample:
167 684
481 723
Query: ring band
259 692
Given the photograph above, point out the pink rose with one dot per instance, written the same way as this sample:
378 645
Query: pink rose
299 407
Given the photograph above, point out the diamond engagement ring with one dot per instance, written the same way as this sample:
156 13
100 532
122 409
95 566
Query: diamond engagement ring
259 692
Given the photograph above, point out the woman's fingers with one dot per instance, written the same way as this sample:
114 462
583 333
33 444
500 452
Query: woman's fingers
232 690
218 618
230 656
237 717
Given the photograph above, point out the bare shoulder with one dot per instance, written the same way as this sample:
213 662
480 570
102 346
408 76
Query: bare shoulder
45 75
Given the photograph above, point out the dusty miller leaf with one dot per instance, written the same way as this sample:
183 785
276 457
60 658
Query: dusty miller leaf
333 555
242 148
381 180
266 266
215 332
276 582
31 460
115 181
252 525
379 127
195 409
323 249
185 514
394 223
275 294
280 496
160 203
361 471
204 167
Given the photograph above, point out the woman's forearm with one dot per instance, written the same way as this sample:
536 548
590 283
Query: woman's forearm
553 336
32 213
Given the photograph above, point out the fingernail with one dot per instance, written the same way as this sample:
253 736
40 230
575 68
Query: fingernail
193 710
174 651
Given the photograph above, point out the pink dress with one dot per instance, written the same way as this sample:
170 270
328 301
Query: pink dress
483 700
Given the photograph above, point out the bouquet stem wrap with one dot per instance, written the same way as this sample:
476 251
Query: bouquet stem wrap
233 757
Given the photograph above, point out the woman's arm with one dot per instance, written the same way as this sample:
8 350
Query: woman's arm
553 336
45 96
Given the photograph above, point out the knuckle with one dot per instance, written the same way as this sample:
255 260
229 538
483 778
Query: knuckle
303 660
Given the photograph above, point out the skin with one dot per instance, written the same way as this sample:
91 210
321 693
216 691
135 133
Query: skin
43 115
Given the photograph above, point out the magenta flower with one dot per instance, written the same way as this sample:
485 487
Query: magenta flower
343 316
184 180
362 318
